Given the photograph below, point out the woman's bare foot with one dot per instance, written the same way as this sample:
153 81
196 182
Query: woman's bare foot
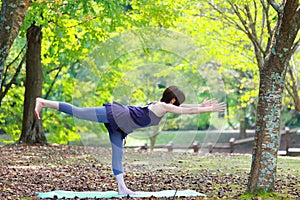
38 107
125 191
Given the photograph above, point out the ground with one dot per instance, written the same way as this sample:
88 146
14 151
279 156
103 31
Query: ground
26 170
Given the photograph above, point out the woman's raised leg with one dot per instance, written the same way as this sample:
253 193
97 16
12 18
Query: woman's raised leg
95 114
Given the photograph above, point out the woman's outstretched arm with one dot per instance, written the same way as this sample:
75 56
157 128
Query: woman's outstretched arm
43 103
206 102
212 106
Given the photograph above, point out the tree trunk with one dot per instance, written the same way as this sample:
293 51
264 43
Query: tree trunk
272 76
32 130
242 124
153 136
11 20
263 169
153 141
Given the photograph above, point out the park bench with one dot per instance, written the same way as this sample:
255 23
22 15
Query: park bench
196 146
289 151
229 147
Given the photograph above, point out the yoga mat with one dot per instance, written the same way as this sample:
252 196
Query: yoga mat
110 194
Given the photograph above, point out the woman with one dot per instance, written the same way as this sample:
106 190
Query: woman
121 120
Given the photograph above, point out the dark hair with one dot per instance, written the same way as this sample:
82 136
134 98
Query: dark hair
173 92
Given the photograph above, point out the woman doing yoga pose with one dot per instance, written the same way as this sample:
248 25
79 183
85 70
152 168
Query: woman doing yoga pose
121 120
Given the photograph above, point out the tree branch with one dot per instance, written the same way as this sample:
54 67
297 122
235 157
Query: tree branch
275 5
298 15
295 46
13 80
229 20
289 28
54 80
7 67
251 33
266 9
255 11
251 22
293 89
53 69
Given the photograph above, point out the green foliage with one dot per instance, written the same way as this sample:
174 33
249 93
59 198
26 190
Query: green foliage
11 110
71 30
263 195
231 50
11 113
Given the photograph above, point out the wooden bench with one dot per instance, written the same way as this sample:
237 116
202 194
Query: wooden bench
290 151
293 152
230 145
196 146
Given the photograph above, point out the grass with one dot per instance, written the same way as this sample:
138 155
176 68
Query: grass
263 195
288 165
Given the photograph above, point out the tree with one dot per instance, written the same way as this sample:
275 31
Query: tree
273 48
70 29
12 16
273 69
32 130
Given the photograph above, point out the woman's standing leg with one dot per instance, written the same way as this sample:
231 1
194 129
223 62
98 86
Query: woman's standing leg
117 156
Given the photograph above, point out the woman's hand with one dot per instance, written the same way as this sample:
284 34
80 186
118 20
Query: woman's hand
208 102
218 107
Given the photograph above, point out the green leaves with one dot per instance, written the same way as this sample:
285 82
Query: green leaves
72 30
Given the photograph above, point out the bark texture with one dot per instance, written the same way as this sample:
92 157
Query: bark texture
32 130
11 20
272 76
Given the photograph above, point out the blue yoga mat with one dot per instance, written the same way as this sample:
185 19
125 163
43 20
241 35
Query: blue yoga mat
110 194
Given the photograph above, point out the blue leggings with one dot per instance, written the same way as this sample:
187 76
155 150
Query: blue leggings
98 114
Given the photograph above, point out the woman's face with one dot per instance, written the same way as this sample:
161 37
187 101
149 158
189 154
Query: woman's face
173 101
